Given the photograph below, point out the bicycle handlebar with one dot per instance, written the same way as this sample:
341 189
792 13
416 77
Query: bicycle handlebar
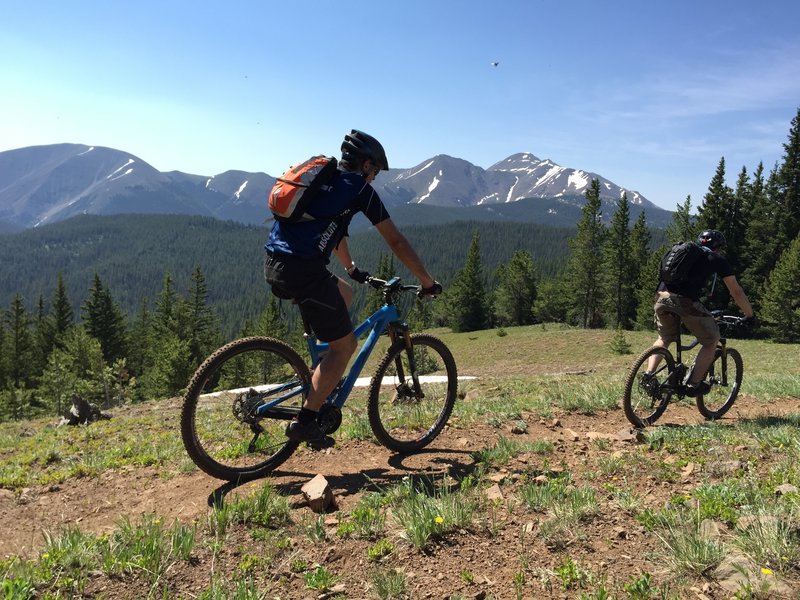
392 285
729 320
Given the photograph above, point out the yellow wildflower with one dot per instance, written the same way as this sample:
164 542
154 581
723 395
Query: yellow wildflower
766 571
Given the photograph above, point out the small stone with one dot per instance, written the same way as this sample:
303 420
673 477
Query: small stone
318 494
785 488
571 435
494 493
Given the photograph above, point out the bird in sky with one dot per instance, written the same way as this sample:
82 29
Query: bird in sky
494 64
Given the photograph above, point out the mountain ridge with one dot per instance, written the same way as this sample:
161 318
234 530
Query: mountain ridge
46 184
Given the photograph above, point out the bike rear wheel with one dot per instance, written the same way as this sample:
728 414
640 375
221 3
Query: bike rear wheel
220 429
646 398
725 378
403 418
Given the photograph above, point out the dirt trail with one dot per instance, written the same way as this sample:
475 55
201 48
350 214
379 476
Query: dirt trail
97 504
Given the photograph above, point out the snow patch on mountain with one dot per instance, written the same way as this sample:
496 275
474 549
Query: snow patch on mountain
238 192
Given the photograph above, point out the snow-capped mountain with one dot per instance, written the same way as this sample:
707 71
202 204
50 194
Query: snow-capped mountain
447 181
45 184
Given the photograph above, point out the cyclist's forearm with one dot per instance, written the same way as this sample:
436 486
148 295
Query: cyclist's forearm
412 262
399 245
738 295
342 253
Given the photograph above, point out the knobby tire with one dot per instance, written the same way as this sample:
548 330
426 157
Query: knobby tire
720 399
400 420
229 384
643 406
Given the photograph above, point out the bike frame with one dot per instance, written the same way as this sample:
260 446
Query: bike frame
375 324
386 317
722 346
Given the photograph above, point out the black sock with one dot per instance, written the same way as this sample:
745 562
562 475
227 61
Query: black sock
306 415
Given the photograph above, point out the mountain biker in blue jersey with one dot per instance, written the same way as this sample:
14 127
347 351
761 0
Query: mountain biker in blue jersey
680 302
296 267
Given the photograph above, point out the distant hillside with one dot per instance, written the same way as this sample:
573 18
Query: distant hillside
131 253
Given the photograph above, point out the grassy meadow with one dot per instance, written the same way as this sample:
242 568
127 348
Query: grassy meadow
693 508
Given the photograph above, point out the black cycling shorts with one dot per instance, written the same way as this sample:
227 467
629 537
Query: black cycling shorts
314 289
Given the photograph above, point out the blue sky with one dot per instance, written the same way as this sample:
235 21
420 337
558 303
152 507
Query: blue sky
648 94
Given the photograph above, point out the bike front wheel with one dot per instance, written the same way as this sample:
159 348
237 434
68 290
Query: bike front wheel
406 415
647 396
725 378
223 430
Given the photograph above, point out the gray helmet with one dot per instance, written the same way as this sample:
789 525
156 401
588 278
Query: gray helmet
358 147
711 238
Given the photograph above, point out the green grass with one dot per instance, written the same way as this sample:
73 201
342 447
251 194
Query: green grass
259 542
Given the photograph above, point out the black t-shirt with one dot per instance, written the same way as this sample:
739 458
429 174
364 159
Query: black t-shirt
707 266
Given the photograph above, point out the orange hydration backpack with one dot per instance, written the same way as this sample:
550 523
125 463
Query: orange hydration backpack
299 186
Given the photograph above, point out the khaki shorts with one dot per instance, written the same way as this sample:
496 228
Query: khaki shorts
672 309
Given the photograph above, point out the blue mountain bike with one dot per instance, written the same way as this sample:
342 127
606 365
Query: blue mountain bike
241 398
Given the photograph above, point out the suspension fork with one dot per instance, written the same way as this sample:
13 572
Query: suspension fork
722 346
400 331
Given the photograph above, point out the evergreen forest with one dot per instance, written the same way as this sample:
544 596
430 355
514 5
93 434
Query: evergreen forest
123 308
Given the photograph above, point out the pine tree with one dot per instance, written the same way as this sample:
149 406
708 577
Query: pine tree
713 212
551 305
20 348
760 243
781 301
74 369
202 330
720 211
737 219
63 315
788 186
617 267
166 313
105 321
466 298
584 273
43 335
20 345
682 228
515 293
270 323
142 340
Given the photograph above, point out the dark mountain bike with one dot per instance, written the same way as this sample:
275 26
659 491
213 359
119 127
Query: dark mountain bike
241 398
647 396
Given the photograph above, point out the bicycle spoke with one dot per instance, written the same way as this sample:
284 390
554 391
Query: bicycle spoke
222 429
402 418
647 395
725 378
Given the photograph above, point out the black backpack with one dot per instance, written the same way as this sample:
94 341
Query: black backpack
678 263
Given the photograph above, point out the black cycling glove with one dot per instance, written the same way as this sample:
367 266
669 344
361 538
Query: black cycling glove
430 292
358 275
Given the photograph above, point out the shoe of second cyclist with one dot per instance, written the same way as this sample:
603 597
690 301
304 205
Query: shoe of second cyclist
697 389
310 433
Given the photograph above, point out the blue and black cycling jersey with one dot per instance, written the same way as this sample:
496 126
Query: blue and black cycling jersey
347 194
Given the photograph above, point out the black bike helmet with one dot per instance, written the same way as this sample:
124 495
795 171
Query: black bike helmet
711 238
358 147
